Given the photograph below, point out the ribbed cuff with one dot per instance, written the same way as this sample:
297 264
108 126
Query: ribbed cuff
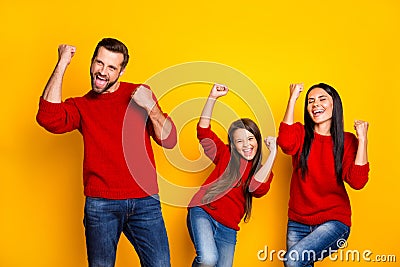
201 132
361 170
50 107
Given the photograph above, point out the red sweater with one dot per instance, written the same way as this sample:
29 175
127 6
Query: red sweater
229 209
319 197
118 158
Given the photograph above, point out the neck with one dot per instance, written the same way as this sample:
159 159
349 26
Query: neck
323 128
112 89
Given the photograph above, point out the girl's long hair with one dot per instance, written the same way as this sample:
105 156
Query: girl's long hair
337 131
232 176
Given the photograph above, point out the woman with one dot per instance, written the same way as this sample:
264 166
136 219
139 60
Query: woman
323 158
226 196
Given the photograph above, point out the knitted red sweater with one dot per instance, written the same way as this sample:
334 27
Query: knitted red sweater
319 197
229 208
118 158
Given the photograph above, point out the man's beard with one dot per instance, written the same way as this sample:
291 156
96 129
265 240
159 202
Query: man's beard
94 88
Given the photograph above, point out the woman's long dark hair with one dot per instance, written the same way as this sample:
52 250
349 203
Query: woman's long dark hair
337 131
232 176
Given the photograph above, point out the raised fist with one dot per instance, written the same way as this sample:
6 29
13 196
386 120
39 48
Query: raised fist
218 90
296 89
361 128
143 97
65 53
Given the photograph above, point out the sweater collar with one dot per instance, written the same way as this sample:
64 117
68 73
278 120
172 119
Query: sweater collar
322 138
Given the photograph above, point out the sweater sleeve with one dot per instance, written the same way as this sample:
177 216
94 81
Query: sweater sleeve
58 117
290 137
213 146
171 139
355 175
260 189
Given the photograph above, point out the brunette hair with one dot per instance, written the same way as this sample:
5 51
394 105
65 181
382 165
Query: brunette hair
232 176
115 46
337 131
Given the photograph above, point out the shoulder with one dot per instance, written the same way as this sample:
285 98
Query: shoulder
131 87
350 141
127 86
350 137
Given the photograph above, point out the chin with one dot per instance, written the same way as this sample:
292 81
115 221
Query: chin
248 157
97 90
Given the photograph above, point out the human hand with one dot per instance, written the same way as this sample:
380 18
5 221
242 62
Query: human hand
65 53
270 142
218 90
361 128
295 90
143 97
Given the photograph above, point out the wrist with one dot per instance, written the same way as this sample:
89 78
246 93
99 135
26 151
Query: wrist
292 100
150 107
362 140
62 65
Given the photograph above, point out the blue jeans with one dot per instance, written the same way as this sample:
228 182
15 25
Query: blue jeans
139 219
307 244
214 242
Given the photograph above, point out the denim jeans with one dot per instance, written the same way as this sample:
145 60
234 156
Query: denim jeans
139 219
214 242
307 244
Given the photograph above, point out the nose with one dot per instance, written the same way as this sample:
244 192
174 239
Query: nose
102 70
246 143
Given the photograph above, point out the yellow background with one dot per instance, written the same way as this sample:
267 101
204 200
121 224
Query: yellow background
352 45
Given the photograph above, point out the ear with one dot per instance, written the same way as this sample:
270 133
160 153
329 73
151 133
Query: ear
122 72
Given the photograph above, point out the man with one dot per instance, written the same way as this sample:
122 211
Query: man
119 177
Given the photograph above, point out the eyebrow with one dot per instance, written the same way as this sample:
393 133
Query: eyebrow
320 96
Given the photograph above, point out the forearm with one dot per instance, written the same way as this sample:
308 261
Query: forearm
161 125
295 90
53 90
263 173
289 113
205 116
362 155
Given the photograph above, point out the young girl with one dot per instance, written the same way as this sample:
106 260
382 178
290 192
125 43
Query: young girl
226 196
323 158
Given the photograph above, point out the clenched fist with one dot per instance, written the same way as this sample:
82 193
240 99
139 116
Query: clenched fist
361 128
295 90
65 53
143 97
270 142
218 90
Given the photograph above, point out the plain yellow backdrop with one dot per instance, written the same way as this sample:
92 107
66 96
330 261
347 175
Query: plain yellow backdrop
352 45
